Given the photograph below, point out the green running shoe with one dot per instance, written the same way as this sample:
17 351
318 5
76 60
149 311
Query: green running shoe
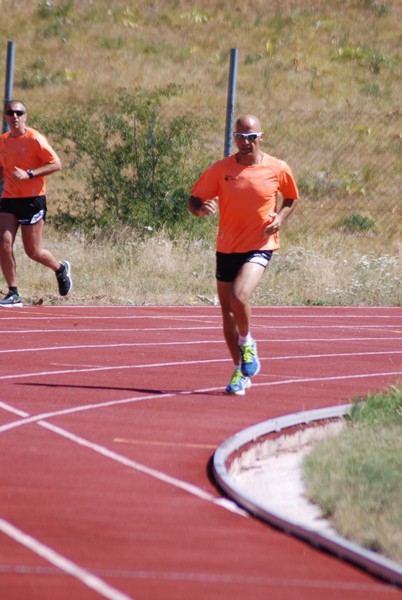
238 384
250 365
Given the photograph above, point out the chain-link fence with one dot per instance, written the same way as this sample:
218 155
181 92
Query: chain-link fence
348 167
349 171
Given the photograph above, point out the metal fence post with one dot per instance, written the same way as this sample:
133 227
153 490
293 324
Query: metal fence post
8 87
230 101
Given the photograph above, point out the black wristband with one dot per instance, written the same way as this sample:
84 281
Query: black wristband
30 173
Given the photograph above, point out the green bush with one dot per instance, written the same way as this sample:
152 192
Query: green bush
130 164
357 222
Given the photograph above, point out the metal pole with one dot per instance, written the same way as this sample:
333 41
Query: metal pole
230 101
8 88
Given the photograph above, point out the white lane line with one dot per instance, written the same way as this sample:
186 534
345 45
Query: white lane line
209 342
67 565
119 345
86 407
12 409
333 378
166 317
215 313
62 563
114 368
200 342
26 419
335 355
127 462
79 330
108 330
183 363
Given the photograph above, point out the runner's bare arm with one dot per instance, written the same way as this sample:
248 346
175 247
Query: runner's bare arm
41 171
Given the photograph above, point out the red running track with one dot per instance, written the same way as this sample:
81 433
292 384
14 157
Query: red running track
109 417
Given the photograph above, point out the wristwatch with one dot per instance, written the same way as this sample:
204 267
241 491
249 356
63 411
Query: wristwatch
30 173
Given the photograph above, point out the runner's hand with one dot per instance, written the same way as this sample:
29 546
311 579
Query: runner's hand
208 208
20 174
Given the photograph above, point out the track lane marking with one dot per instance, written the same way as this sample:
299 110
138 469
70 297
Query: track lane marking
132 464
282 312
172 330
61 562
67 411
365 375
91 369
127 462
201 342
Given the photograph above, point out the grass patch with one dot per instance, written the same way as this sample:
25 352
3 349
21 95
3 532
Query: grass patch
122 268
356 476
128 267
339 130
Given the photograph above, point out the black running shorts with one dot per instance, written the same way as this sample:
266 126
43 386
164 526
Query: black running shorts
228 265
27 211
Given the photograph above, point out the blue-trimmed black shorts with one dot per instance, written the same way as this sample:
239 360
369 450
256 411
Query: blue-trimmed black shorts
228 265
27 211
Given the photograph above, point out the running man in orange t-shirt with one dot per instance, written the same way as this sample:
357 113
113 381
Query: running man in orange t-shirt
26 157
245 185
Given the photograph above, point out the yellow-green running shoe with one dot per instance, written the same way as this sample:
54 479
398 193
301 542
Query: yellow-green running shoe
250 365
238 384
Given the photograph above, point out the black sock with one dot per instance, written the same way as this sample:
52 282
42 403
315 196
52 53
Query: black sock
13 290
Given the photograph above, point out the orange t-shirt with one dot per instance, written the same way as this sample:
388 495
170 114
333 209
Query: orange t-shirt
27 151
246 195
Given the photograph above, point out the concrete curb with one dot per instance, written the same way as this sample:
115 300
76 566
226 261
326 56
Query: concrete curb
372 562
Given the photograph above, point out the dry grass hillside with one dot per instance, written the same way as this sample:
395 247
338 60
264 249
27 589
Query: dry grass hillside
324 76
300 54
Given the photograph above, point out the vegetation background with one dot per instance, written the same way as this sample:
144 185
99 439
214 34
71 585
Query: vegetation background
133 95
355 476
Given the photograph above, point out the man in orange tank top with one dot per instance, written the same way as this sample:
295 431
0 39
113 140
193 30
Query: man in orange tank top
245 186
26 158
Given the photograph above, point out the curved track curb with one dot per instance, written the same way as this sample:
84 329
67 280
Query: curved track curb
370 561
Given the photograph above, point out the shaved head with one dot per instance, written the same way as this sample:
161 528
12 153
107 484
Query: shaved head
247 124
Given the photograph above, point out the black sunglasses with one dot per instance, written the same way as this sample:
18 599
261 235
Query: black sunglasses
11 113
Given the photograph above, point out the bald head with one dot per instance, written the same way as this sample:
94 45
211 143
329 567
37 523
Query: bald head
15 104
248 124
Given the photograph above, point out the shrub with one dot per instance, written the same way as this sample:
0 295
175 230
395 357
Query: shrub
357 222
132 166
